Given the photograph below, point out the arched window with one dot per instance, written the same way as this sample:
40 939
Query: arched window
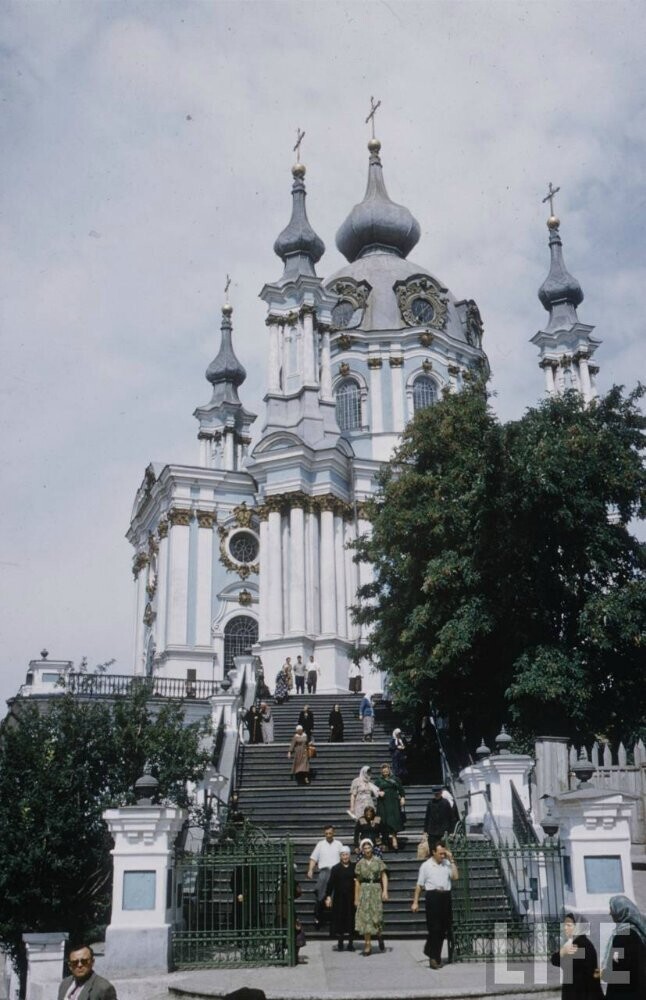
240 633
424 392
348 405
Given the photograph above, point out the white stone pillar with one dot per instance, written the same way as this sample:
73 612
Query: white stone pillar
549 377
273 384
162 584
375 367
499 771
274 623
45 958
454 372
309 352
312 604
205 451
584 377
397 382
264 578
352 578
297 570
138 938
205 521
339 561
364 570
326 366
327 573
229 450
593 371
178 576
286 340
142 596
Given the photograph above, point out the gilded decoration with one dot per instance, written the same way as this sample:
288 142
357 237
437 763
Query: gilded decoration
363 510
426 338
205 518
354 292
243 515
153 544
422 287
180 516
375 363
283 502
141 559
344 342
245 598
427 366
453 369
397 362
566 361
475 326
149 615
162 528
344 368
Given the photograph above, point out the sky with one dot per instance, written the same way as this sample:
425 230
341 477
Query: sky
147 150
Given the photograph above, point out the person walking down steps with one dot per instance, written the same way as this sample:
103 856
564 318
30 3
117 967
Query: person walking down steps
367 716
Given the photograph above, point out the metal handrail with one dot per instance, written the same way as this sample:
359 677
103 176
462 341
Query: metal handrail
124 685
521 823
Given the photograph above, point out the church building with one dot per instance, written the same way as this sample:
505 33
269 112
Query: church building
248 547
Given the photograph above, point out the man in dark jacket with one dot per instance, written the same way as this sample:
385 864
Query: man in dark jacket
84 984
440 815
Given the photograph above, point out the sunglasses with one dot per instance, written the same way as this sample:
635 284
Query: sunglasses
79 961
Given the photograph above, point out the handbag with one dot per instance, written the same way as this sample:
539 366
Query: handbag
311 750
423 850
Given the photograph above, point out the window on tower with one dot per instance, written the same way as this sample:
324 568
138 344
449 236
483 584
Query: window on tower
240 634
424 392
348 405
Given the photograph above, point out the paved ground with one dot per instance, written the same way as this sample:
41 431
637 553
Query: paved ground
400 972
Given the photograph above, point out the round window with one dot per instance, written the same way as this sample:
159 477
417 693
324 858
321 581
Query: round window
422 310
342 314
244 546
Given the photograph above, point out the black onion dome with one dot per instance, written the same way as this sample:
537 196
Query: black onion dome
559 286
298 237
225 371
377 223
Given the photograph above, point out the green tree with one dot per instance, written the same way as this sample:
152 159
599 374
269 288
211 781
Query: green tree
506 580
59 769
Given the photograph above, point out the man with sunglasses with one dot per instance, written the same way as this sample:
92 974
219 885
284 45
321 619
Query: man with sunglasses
83 983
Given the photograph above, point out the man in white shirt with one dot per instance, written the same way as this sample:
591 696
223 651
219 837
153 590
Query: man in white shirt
326 854
313 674
435 878
300 670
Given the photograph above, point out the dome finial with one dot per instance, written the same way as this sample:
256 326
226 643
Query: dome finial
298 170
553 222
227 308
559 288
371 118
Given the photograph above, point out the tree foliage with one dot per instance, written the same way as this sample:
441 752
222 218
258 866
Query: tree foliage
59 769
507 582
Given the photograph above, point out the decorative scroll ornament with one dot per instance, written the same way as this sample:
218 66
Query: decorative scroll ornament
344 342
140 560
428 290
149 615
344 368
180 516
242 569
475 326
162 528
427 366
353 296
245 598
243 515
205 518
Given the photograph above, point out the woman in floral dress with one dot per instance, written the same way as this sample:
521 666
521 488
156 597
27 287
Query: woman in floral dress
362 793
370 893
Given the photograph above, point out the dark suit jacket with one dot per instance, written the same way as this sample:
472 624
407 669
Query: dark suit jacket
96 988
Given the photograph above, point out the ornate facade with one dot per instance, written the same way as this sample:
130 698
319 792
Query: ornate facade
249 547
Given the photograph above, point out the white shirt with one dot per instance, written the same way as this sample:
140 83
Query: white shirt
353 670
327 855
299 669
435 876
313 665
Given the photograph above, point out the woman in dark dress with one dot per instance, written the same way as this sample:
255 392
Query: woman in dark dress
577 958
335 723
253 723
626 952
306 720
398 755
340 899
369 827
391 805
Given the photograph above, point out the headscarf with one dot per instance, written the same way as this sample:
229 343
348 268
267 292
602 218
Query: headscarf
299 730
396 733
627 918
364 774
366 840
344 850
580 923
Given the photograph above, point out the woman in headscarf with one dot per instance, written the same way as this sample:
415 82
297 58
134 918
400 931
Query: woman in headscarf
335 723
370 893
281 691
370 827
392 804
339 899
301 762
626 952
397 747
306 720
252 722
577 958
362 793
266 723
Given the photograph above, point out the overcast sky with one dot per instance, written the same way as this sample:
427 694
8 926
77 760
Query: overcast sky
147 151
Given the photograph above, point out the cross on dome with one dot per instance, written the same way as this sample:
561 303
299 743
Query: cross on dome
551 191
371 116
297 148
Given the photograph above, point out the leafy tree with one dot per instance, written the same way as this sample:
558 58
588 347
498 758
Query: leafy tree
60 767
506 579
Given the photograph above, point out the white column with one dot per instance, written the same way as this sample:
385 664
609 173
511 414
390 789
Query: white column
229 441
364 569
178 578
584 377
162 586
139 624
274 622
339 561
285 337
376 405
396 372
352 578
300 352
326 366
312 607
264 579
204 577
593 371
274 358
204 443
549 378
309 356
327 574
297 570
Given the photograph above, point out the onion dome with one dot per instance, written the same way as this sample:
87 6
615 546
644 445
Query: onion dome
377 223
559 286
298 245
225 373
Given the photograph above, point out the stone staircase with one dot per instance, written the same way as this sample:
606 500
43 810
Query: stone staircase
269 798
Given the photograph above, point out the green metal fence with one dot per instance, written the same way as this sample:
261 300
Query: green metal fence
234 906
507 901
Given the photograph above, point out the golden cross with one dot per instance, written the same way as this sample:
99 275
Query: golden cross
297 148
371 116
226 288
550 197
